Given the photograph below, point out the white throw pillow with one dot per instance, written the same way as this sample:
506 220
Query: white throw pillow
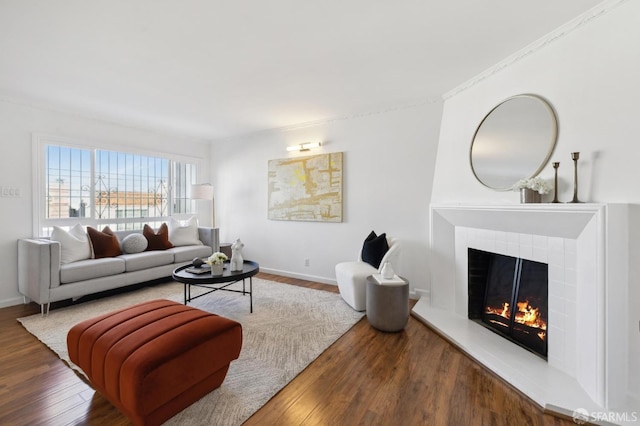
134 243
74 244
184 233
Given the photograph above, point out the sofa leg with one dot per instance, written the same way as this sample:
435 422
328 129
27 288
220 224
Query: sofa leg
44 309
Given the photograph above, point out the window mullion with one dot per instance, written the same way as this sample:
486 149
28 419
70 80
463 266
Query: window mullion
92 189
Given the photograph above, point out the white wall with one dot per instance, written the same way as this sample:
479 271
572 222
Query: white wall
590 76
388 170
18 123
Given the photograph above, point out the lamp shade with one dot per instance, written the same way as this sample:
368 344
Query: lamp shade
202 191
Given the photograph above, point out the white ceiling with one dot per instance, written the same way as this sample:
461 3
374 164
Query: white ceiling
220 68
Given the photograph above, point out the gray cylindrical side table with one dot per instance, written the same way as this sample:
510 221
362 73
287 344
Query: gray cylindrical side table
226 249
387 305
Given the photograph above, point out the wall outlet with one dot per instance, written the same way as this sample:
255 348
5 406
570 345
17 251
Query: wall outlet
306 262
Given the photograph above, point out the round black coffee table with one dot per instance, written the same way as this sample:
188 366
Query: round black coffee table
217 282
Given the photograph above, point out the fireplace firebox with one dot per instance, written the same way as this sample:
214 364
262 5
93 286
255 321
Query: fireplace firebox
509 296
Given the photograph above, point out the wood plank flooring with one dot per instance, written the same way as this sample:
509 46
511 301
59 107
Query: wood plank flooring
367 377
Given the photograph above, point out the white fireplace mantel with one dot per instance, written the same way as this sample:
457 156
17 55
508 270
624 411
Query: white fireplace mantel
586 247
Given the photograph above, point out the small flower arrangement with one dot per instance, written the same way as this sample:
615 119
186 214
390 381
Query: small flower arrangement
216 258
537 184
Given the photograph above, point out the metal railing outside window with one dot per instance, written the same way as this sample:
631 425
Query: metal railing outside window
123 190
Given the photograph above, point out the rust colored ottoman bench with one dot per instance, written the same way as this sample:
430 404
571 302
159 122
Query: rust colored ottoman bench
156 358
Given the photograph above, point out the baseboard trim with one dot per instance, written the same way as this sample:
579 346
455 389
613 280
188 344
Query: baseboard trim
307 277
11 302
420 292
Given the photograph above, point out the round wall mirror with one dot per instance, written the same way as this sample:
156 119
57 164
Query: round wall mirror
514 141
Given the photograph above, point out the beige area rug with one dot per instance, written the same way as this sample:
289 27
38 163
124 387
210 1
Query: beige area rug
289 328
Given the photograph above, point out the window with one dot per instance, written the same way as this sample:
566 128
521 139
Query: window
100 187
134 183
184 175
68 178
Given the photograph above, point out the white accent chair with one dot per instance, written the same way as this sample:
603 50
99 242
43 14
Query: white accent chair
352 276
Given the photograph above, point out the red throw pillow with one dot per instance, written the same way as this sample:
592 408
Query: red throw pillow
105 243
159 240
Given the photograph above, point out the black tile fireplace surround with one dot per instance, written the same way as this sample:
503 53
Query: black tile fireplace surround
509 296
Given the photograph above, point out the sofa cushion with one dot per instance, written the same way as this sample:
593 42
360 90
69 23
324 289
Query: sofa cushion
188 253
91 268
184 233
74 244
374 249
157 240
146 260
105 243
134 243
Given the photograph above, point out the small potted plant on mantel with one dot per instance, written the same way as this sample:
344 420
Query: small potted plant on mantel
531 189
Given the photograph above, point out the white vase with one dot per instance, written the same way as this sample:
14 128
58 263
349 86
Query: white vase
387 271
217 269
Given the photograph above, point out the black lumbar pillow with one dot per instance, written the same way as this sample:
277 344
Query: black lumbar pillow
374 249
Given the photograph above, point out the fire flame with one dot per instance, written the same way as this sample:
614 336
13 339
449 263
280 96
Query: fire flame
526 314
503 311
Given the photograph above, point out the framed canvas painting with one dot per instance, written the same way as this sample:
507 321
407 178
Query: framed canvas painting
306 188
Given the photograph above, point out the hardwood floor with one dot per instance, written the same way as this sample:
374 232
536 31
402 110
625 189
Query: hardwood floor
414 377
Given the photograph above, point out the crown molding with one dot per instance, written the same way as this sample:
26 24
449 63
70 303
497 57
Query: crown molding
31 103
324 121
557 34
104 119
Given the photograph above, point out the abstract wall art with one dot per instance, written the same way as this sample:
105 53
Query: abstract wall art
306 188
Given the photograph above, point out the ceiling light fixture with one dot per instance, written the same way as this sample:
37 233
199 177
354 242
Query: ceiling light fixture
304 146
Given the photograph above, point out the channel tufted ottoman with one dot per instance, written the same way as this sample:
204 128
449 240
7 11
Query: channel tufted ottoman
156 358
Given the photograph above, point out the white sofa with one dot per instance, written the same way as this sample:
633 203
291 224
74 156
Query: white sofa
43 279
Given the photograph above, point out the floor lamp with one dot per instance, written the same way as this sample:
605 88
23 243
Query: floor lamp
204 191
